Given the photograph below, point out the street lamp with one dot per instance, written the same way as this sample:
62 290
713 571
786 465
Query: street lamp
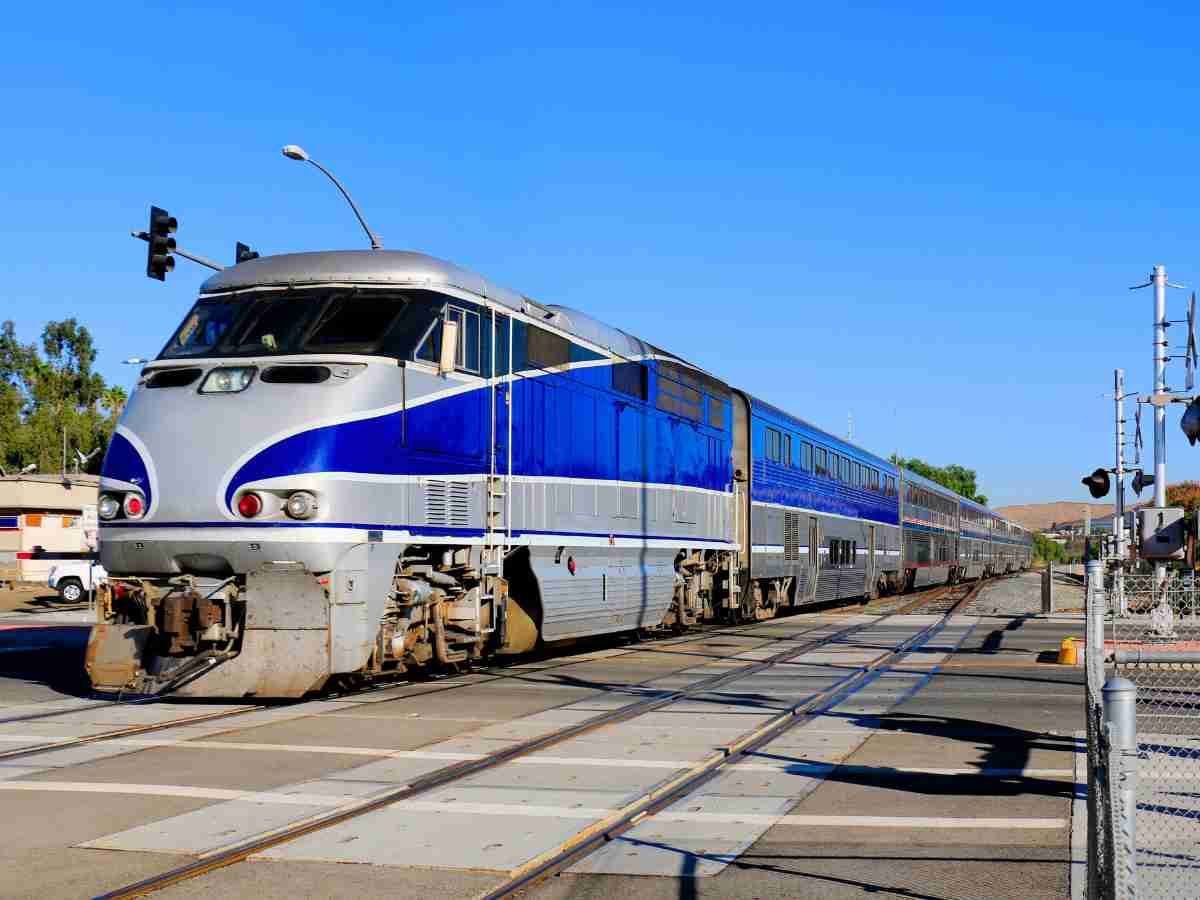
292 151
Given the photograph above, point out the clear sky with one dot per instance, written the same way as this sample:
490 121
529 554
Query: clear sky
926 220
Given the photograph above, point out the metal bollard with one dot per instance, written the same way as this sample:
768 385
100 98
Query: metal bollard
1048 588
1120 717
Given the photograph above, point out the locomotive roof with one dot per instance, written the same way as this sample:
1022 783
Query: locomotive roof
406 268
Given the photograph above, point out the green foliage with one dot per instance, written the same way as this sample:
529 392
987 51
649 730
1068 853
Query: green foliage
44 394
957 478
1185 494
1048 550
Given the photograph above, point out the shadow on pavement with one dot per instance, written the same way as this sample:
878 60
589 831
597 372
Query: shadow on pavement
50 655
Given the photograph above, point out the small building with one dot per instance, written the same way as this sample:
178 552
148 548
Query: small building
42 511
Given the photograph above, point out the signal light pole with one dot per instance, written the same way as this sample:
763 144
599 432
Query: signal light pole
1119 506
1159 280
159 260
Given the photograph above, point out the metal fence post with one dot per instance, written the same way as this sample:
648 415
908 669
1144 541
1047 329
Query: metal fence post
1120 717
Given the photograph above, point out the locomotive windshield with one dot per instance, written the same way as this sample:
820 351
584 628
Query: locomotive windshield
299 322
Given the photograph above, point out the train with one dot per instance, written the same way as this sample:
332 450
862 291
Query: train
349 464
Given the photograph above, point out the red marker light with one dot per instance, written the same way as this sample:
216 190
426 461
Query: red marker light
571 564
250 505
134 506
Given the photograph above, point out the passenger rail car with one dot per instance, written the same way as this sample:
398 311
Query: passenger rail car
348 463
930 514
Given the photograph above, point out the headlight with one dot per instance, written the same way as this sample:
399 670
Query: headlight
301 505
134 506
228 380
108 507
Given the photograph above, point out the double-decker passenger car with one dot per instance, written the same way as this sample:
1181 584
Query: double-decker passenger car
349 463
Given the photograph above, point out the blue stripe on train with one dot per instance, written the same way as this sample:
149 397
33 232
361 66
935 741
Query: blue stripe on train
564 428
122 462
420 530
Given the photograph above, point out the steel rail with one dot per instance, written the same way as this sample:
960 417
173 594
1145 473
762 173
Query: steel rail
134 730
130 731
242 850
664 795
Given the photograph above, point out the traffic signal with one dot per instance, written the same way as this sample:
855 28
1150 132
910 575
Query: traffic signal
1097 483
243 253
1190 423
158 255
1141 480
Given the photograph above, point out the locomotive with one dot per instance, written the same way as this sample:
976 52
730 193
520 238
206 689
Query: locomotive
351 463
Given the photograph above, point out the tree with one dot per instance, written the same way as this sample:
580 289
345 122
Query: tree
46 395
1185 494
1046 549
957 478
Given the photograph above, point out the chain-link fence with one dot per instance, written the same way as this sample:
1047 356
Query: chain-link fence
1148 820
1099 869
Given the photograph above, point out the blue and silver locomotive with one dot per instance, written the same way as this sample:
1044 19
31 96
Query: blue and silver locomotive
344 464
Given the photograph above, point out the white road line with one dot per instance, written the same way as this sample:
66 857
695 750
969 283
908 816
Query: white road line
533 810
915 822
176 790
582 761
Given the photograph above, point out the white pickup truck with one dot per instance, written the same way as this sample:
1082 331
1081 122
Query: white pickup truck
73 578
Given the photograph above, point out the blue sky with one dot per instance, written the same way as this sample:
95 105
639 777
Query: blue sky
926 220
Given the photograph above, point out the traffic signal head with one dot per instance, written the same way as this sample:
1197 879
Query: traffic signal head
1097 483
1141 480
1190 423
158 255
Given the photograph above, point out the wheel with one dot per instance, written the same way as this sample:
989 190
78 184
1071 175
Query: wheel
71 589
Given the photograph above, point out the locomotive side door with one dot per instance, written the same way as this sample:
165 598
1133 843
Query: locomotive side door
870 579
814 557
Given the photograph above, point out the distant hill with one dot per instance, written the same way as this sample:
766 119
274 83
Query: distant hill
1040 516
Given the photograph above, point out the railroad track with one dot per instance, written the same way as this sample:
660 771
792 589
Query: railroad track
492 672
594 836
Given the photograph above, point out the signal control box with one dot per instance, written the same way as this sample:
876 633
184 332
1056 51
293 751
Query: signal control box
1162 533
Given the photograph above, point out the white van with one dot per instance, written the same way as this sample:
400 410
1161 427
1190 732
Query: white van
74 578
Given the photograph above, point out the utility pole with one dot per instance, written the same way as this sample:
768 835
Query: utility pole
1159 280
1119 506
1160 387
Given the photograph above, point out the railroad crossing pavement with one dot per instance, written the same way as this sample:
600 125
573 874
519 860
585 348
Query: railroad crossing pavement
949 776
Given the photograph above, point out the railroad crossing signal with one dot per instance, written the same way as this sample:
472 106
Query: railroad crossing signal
158 255
1141 480
1097 483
